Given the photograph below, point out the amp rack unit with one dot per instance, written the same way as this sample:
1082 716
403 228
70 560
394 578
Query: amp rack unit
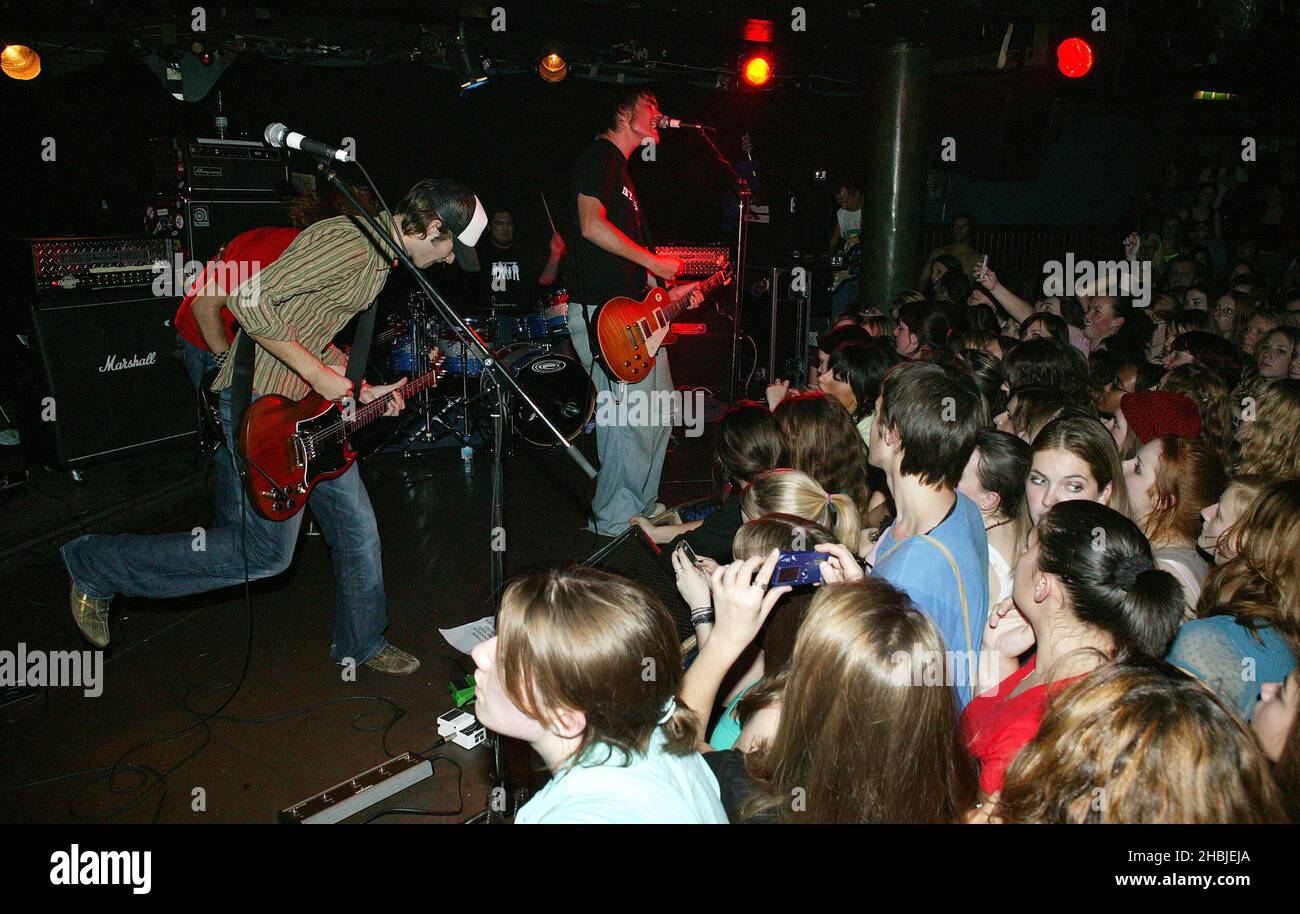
87 264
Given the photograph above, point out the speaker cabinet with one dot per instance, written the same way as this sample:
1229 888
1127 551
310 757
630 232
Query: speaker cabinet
112 384
211 223
633 556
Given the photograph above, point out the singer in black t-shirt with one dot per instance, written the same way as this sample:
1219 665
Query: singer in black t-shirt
612 257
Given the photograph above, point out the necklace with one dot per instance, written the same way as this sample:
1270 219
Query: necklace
998 524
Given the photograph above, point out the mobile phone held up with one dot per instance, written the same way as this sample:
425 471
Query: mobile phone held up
689 553
798 569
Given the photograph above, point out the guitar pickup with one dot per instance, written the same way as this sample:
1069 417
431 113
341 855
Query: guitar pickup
645 326
631 336
659 317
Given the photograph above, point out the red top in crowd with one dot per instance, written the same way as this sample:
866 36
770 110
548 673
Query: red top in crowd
996 727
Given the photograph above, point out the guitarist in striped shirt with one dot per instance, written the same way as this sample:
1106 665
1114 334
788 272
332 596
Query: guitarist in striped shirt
332 271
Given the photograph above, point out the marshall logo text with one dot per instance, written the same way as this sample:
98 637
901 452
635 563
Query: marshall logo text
136 361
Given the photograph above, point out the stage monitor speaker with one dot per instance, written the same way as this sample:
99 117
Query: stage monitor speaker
633 556
112 382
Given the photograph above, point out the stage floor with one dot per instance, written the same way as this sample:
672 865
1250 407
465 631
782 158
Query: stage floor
434 523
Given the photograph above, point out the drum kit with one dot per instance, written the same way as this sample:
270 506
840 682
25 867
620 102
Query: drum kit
532 343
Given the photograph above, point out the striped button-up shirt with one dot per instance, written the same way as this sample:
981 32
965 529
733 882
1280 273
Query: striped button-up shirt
330 272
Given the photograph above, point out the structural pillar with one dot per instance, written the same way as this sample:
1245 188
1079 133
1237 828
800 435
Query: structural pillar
894 169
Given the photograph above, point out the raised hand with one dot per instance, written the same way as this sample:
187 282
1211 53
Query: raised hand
692 582
777 391
742 599
841 566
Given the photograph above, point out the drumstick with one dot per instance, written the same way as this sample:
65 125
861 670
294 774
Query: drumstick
548 212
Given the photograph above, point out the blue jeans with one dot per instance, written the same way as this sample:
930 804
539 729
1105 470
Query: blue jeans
180 564
631 456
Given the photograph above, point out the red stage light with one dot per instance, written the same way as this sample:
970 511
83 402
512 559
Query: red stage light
757 71
1074 57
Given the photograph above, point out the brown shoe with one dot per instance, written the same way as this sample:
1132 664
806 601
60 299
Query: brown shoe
90 614
394 660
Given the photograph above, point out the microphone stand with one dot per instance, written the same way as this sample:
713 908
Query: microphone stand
742 254
505 385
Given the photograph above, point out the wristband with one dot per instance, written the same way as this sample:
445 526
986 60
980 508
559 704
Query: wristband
702 616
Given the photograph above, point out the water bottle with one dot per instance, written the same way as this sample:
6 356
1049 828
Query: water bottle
222 124
467 460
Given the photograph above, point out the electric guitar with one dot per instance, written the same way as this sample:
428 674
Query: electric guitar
291 445
629 332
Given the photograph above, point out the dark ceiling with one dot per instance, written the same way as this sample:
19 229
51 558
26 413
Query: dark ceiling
1152 54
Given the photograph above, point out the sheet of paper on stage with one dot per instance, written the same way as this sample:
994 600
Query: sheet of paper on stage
464 637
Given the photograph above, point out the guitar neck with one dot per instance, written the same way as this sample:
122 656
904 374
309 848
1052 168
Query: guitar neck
704 288
365 414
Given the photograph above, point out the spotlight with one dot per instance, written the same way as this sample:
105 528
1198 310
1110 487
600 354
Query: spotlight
553 68
756 70
20 61
1074 57
467 66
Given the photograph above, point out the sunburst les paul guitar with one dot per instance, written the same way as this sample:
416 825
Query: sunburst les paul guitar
630 332
291 445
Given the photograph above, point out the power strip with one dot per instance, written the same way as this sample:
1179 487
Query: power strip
366 789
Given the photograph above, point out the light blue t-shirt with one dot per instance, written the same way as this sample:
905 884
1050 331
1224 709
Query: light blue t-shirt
918 568
1230 660
652 789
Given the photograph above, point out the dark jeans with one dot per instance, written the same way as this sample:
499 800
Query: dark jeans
180 564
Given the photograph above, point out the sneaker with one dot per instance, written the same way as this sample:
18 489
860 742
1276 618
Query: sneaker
394 660
90 614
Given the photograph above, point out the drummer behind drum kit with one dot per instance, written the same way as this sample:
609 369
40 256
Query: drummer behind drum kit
532 344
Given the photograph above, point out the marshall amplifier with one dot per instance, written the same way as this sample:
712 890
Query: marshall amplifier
112 384
207 167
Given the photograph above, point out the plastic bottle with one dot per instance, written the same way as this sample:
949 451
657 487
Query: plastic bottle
467 460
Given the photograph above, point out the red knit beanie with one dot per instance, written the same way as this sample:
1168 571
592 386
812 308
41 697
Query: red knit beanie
1155 413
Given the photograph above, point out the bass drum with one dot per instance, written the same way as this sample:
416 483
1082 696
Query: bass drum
557 384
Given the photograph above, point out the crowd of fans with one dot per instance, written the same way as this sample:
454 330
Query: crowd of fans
1061 576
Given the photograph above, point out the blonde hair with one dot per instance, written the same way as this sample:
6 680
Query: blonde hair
580 638
1139 742
785 491
1267 444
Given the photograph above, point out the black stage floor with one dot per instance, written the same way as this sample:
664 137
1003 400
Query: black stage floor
434 523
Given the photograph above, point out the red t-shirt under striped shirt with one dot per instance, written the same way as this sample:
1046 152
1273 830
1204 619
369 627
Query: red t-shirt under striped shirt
248 252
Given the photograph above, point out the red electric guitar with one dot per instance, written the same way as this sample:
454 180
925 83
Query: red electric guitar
630 332
290 445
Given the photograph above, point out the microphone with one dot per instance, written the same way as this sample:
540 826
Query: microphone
280 136
666 122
